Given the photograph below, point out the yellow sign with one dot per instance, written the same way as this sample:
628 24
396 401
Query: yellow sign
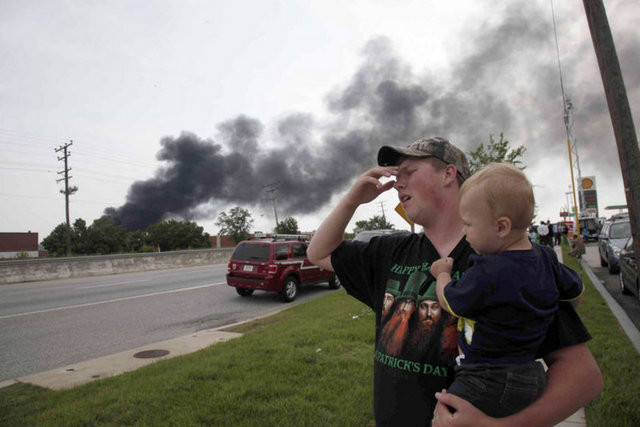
587 183
403 214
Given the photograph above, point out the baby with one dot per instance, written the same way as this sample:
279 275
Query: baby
507 298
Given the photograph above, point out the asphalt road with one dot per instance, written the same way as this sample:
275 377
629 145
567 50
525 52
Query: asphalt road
51 324
629 303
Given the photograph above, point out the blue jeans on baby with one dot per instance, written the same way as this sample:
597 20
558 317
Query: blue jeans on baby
499 390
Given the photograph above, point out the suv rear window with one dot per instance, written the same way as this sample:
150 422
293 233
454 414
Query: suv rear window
620 230
298 250
282 251
252 252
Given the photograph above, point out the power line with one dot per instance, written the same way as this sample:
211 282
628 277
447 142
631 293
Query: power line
19 134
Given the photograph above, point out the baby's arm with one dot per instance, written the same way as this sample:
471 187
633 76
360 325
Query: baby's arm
441 270
576 302
570 286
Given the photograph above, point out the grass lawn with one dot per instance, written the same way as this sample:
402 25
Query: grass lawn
619 403
309 365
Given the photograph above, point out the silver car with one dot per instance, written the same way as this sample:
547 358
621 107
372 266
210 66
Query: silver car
366 235
629 283
611 240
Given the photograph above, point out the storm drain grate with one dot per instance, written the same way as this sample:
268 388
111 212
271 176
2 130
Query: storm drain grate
150 354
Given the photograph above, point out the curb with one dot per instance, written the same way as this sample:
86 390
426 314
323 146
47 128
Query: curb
126 361
624 320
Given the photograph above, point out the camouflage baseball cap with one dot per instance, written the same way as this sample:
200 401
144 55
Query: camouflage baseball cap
437 147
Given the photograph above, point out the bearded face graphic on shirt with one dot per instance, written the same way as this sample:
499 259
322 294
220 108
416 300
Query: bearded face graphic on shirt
396 330
418 321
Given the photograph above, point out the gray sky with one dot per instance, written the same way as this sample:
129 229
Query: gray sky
186 109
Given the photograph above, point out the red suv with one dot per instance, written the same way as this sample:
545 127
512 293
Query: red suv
278 264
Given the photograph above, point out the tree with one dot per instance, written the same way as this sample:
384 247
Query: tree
495 151
498 152
56 241
105 237
236 224
137 241
377 222
173 235
79 237
287 226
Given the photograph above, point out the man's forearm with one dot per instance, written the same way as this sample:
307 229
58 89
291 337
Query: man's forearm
330 234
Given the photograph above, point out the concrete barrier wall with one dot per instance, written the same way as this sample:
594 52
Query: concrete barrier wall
64 268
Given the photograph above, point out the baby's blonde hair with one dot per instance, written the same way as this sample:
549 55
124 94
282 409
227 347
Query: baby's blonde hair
507 190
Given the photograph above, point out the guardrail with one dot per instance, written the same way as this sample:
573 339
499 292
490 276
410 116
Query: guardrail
29 270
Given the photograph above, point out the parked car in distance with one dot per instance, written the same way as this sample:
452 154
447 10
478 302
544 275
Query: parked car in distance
629 283
278 264
589 227
366 235
611 240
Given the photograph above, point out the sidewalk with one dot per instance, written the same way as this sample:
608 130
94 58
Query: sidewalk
116 364
119 363
578 419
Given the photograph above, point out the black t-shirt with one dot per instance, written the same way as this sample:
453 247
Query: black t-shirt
416 340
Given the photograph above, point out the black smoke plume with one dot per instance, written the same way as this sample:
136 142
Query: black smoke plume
503 80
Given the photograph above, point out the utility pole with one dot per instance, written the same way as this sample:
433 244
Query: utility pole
382 208
568 124
619 109
271 188
67 190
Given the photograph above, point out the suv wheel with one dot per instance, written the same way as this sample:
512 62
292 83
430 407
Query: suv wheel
623 288
603 263
290 289
334 282
244 292
613 269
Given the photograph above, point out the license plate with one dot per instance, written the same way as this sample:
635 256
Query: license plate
248 268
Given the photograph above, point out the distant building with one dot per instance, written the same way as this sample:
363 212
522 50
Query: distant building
225 242
222 242
18 245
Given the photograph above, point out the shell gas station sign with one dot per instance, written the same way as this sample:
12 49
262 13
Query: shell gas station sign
588 195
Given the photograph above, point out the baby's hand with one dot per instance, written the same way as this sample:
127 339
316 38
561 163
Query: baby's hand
443 265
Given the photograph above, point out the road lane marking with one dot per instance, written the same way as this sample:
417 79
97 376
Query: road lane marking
115 284
9 316
53 288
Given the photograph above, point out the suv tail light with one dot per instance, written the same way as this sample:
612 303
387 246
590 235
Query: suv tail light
272 269
229 268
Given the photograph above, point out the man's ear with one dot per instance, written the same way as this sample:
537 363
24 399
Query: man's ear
503 226
450 174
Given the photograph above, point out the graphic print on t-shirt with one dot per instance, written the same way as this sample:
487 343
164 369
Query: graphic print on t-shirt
414 328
